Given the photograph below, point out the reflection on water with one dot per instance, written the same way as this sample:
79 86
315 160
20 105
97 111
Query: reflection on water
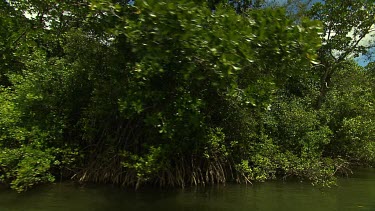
354 193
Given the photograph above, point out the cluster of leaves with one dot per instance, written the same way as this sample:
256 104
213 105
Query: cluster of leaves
350 106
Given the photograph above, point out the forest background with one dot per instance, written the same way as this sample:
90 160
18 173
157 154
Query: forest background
177 93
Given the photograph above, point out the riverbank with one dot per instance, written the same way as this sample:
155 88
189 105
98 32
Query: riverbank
356 192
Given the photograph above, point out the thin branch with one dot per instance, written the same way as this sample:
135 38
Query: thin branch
19 37
355 45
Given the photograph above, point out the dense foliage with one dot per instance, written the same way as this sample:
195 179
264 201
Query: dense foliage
175 93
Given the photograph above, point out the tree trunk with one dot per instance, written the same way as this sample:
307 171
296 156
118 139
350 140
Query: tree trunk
325 84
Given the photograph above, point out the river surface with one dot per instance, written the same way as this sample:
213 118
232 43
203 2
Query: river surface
356 192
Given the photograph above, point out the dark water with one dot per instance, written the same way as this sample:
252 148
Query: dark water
354 193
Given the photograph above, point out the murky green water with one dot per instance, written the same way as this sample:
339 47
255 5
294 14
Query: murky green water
354 193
